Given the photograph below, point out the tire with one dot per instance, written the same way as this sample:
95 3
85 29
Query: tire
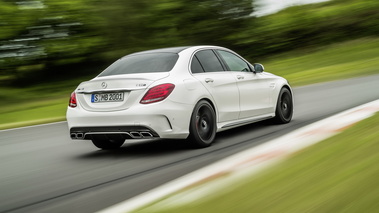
202 125
284 107
107 144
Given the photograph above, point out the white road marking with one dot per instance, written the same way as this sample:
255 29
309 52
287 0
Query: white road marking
28 127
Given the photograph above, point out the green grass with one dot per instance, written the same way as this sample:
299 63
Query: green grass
338 61
47 102
39 104
339 174
36 112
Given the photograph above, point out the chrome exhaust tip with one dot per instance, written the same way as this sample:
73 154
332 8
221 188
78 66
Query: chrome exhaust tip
135 135
146 134
73 135
79 135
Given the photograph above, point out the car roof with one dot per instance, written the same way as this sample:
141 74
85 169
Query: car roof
174 50
163 50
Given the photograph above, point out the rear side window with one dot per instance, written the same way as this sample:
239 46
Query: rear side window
209 61
196 66
142 63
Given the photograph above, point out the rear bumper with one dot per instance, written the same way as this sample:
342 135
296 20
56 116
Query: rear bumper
161 120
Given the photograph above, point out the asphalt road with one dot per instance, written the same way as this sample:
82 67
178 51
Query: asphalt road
43 170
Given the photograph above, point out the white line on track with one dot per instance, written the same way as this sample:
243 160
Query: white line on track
27 127
252 160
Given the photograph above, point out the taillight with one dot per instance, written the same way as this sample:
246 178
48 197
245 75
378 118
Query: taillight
73 102
157 93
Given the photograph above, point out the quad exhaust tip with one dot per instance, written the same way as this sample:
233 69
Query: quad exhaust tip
77 135
133 135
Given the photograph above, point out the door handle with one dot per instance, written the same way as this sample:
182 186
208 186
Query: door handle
239 77
208 80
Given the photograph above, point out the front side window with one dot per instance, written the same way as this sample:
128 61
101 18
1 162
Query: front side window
234 62
142 63
209 61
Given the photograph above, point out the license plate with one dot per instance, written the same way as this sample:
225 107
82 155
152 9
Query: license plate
107 97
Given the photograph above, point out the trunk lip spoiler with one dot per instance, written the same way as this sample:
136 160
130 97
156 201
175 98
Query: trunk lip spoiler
110 90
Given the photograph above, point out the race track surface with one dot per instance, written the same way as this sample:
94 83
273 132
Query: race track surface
43 170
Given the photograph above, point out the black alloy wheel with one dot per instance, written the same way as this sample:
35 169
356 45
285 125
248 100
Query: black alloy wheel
284 107
202 125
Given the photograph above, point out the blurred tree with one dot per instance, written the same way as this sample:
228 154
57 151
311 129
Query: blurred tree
213 21
54 38
125 23
149 24
311 25
12 24
51 36
45 35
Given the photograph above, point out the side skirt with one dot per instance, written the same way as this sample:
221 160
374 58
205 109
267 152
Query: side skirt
229 125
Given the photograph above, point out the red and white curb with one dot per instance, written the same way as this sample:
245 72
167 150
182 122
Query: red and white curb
247 162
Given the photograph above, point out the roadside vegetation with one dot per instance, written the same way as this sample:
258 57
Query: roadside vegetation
336 175
327 63
47 102
39 104
50 47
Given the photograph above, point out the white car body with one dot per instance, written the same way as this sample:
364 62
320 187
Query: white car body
237 98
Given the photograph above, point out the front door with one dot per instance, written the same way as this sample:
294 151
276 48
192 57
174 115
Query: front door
254 88
207 68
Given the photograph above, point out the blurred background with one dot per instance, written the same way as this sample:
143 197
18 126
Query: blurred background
47 47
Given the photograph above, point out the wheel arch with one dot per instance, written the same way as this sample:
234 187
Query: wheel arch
284 85
279 119
211 103
292 96
203 124
288 87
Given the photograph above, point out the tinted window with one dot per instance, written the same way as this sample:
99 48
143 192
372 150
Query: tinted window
209 61
234 62
196 66
142 63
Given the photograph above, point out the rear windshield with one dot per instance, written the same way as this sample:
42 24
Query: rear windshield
142 63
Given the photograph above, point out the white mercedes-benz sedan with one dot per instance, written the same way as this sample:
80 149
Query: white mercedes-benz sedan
176 93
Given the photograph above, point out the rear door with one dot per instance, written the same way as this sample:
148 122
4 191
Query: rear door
207 68
254 88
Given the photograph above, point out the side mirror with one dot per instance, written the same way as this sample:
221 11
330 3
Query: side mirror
258 68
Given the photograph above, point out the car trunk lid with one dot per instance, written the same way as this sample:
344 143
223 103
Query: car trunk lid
113 93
